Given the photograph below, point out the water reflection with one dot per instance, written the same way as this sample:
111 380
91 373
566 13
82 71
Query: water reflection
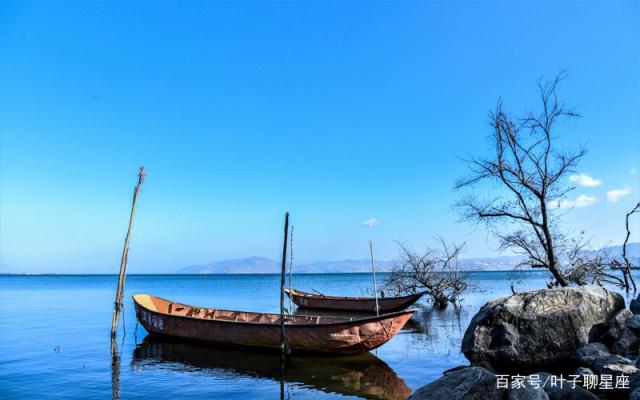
437 331
365 375
115 371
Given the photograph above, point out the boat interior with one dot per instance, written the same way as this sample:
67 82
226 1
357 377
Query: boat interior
295 292
169 307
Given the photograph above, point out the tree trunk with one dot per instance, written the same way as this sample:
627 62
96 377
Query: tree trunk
551 256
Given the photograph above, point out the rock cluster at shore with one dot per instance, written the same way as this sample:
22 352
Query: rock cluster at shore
580 331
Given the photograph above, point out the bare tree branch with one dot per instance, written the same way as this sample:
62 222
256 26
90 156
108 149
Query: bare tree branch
529 172
626 267
436 272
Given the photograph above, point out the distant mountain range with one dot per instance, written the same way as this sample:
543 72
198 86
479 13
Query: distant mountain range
262 265
250 265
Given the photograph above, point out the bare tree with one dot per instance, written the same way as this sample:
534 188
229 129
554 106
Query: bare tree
626 266
436 272
582 266
527 169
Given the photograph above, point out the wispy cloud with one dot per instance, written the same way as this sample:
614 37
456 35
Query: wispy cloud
616 194
370 222
579 202
585 180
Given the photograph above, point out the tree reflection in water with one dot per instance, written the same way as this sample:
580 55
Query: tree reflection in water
364 375
437 331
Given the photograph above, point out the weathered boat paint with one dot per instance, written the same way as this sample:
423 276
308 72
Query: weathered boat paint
359 304
311 334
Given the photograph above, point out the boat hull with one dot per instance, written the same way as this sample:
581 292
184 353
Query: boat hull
327 335
358 304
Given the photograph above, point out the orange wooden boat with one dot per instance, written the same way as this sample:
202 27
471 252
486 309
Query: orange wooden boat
310 334
359 304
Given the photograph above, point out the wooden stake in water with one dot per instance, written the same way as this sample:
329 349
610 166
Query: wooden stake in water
115 371
283 353
373 269
125 255
291 270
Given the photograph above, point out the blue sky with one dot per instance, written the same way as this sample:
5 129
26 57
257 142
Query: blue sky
340 112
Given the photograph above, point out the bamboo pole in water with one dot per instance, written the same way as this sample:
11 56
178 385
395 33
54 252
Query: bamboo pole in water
283 274
115 371
291 270
373 269
125 255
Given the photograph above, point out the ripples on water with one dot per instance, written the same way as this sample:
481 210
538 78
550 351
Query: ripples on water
55 341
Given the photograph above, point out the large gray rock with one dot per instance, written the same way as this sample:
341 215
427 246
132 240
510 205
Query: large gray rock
540 327
469 383
614 365
620 318
634 306
615 326
588 353
526 390
626 343
583 371
633 323
562 389
634 381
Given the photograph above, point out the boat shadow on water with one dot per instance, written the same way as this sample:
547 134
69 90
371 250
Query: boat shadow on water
364 375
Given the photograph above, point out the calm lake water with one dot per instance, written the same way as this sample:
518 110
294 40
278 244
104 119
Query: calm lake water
55 341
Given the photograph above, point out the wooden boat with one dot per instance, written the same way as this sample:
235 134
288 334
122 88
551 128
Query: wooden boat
360 304
312 334
363 375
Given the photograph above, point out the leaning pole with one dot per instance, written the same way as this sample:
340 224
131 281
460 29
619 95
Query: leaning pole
283 353
125 255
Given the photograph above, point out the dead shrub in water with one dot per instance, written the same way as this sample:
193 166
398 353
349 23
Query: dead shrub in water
437 272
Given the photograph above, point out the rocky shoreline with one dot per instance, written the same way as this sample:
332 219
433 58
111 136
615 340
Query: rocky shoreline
564 343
